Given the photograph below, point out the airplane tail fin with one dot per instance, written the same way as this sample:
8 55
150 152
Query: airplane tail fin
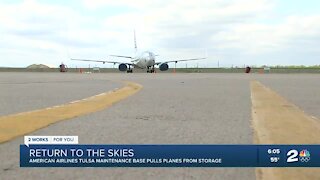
135 42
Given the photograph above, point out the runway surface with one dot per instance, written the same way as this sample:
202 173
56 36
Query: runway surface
302 90
170 109
29 91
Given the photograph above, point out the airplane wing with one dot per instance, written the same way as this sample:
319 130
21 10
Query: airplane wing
92 60
179 60
129 57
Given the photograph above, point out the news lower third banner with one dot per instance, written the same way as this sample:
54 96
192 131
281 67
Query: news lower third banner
64 151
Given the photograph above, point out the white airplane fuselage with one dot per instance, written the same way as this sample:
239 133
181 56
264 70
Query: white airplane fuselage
144 60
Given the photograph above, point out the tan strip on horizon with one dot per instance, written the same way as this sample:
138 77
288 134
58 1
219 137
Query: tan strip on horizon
19 124
277 121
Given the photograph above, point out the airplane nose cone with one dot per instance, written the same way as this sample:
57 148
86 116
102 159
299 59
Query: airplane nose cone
149 58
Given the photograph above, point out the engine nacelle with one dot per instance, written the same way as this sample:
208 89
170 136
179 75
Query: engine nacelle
164 67
123 67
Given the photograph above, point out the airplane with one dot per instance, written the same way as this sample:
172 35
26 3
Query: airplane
144 60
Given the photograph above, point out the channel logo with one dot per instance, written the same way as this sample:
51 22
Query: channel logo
304 156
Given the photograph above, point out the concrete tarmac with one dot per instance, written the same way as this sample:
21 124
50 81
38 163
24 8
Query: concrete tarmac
302 90
29 91
170 109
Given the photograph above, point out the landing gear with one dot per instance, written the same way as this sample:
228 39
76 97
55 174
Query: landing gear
129 70
151 70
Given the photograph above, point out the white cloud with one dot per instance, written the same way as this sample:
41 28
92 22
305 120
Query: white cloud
235 31
259 38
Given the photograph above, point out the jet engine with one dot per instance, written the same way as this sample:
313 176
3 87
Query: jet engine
123 67
164 67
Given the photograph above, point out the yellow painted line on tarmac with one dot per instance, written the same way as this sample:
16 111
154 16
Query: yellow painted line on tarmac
277 121
15 125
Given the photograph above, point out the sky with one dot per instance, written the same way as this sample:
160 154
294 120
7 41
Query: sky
229 32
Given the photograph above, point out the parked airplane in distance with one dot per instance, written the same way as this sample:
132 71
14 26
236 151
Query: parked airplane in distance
144 60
